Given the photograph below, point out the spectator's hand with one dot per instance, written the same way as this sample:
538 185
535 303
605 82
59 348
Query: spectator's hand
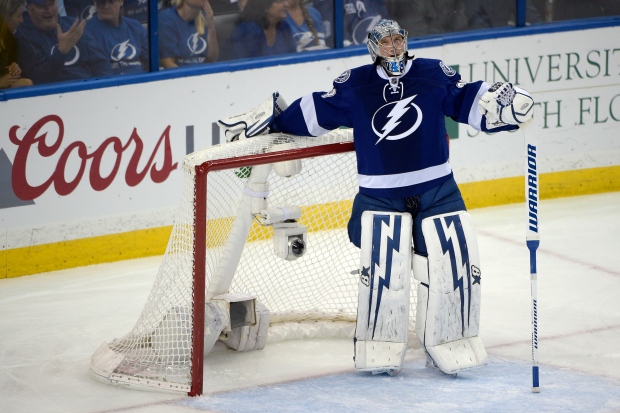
7 81
206 7
14 70
68 39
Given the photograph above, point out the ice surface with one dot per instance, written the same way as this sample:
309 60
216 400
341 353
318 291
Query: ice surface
51 323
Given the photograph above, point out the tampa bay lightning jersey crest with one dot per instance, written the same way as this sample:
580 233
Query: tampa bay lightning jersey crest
398 122
399 117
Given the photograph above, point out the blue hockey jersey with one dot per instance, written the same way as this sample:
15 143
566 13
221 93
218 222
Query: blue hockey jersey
126 45
398 122
180 40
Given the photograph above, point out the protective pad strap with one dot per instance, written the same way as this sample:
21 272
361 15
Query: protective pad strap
448 311
383 305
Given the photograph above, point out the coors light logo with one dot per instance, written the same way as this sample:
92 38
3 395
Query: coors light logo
37 143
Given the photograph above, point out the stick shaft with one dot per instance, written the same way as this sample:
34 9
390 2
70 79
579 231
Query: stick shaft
532 246
532 240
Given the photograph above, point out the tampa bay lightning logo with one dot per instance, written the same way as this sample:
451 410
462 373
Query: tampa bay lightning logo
447 69
88 12
329 94
306 39
397 120
344 76
72 57
123 51
359 34
197 45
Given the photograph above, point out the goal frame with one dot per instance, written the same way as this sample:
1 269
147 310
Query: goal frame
200 234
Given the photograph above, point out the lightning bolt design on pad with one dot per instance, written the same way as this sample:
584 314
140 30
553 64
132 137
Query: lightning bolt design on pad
455 228
383 228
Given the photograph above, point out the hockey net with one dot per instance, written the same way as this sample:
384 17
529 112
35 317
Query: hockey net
218 246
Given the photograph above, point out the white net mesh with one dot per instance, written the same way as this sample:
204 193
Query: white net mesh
321 285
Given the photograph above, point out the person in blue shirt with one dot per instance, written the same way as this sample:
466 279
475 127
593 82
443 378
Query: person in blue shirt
187 34
497 13
426 17
124 40
262 30
326 10
359 18
307 25
139 9
53 48
83 9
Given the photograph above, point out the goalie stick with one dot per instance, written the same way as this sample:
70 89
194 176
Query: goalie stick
532 239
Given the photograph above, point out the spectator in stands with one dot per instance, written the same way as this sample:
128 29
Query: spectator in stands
227 6
306 23
10 18
139 9
359 18
83 9
123 39
326 10
577 9
187 34
53 48
497 13
262 30
426 17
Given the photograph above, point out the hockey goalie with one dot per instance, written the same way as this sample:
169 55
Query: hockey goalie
408 218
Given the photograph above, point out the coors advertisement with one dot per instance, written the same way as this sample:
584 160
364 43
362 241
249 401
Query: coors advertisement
38 143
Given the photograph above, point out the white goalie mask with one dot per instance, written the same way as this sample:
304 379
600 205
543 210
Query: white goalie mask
388 42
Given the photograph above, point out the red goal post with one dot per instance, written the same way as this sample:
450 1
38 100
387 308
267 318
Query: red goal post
200 220
218 246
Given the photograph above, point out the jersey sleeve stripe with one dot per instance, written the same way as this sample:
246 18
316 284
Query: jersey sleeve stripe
309 112
475 115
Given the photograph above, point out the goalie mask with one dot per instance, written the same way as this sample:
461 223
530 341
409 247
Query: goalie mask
388 43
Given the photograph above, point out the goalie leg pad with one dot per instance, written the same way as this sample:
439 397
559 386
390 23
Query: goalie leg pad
448 309
383 300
